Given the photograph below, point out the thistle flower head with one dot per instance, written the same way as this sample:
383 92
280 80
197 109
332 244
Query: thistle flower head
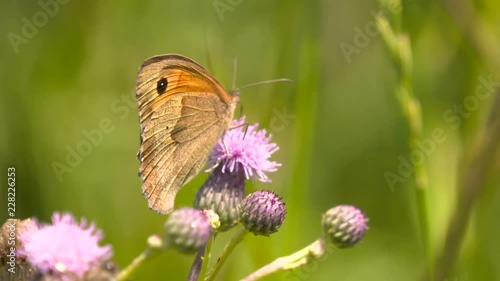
344 225
222 193
262 212
245 149
187 230
65 247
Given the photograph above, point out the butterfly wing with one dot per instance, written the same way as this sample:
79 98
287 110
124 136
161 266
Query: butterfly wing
183 112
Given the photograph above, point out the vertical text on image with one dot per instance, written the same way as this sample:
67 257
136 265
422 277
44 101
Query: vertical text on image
11 222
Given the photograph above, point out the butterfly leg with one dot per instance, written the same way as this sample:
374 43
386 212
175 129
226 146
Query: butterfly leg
225 147
239 126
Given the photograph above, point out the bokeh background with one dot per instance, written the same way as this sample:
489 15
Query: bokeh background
339 126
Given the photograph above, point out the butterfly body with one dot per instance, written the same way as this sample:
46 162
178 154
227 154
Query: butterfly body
183 112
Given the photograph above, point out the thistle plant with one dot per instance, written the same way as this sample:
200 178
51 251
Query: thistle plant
187 230
243 153
262 212
64 250
222 193
344 225
222 203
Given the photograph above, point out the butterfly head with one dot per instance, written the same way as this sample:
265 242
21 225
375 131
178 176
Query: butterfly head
235 94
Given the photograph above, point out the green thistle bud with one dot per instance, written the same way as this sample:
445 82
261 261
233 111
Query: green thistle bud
155 242
187 230
262 212
222 193
344 225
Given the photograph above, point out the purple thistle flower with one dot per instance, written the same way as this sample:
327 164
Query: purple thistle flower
187 230
222 193
65 246
262 212
344 225
248 152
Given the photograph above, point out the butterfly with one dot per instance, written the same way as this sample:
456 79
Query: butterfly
183 112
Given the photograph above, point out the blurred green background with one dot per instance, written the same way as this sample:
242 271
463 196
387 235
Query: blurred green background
339 126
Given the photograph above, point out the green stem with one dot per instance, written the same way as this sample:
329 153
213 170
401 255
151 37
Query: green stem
400 50
297 259
479 33
484 40
228 249
194 272
155 247
206 257
480 166
397 17
127 272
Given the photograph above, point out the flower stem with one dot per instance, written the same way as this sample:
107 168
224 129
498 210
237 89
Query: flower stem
235 240
155 247
310 253
207 256
194 272
127 272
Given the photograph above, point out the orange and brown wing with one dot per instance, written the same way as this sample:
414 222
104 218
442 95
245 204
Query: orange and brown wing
183 112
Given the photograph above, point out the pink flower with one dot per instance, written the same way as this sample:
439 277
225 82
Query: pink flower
245 150
65 246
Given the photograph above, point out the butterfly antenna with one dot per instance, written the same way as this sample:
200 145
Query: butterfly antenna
225 146
246 129
235 66
267 82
